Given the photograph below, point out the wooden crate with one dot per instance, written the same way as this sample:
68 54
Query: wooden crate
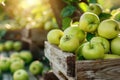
35 35
62 63
66 67
37 53
13 34
50 76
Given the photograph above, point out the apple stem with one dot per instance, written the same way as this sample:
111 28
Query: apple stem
90 45
67 37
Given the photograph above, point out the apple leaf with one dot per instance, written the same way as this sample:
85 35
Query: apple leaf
92 1
70 1
89 36
104 16
66 22
68 11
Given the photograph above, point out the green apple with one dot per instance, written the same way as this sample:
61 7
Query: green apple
75 31
89 22
8 45
20 75
93 51
69 43
15 54
16 65
78 52
75 24
111 56
1 47
48 25
95 8
4 64
105 43
17 45
36 67
14 59
116 17
108 29
115 47
26 56
54 36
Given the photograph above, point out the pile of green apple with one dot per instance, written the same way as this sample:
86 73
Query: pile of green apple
10 45
104 45
16 64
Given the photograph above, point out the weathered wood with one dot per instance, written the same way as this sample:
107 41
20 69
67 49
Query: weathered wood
34 35
50 76
98 69
62 61
37 53
38 36
13 34
25 33
108 69
59 73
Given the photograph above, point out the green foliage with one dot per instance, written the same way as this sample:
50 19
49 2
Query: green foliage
66 22
104 16
70 1
89 36
2 33
66 14
92 1
68 11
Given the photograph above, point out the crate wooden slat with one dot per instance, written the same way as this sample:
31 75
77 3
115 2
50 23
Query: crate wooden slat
35 35
13 34
98 69
84 69
62 62
50 76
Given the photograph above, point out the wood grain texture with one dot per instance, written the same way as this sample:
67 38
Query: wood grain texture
64 64
63 61
35 35
98 69
13 34
50 76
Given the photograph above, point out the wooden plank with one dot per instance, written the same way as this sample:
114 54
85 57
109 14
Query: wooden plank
58 72
13 34
25 33
37 52
98 69
84 69
34 35
38 36
50 76
63 61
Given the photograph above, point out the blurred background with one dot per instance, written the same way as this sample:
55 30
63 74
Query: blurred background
29 21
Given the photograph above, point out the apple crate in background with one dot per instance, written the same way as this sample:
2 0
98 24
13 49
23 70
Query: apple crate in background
50 76
65 67
13 34
34 35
